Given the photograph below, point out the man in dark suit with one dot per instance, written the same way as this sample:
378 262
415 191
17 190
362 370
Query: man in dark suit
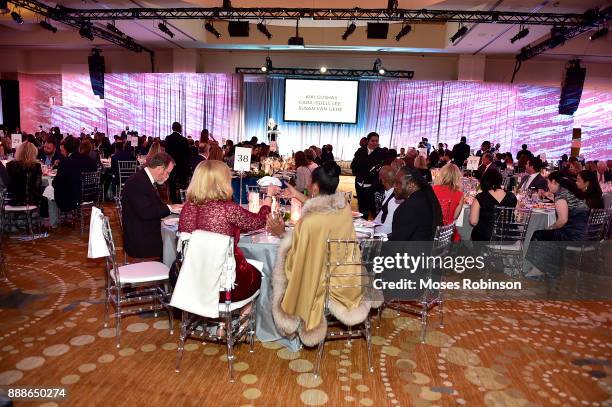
67 182
178 148
461 152
143 208
533 179
50 155
523 152
486 164
365 166
485 148
201 156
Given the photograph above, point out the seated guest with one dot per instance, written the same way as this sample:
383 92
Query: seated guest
327 153
448 191
203 150
533 179
143 208
67 182
482 213
384 218
297 281
3 179
433 160
420 163
499 161
589 189
604 174
154 149
209 207
572 216
86 148
304 165
50 155
18 170
216 153
486 164
120 155
574 168
417 218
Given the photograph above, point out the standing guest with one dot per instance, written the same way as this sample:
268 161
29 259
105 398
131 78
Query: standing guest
365 165
204 134
533 179
384 218
433 159
50 155
603 173
178 148
572 216
209 207
482 212
143 208
448 191
418 216
589 189
67 182
327 153
461 152
420 163
402 152
523 152
203 150
25 165
485 148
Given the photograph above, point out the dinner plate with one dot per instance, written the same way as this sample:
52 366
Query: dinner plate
176 210
356 214
171 221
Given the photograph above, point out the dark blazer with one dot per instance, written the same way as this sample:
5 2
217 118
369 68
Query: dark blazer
17 176
142 211
364 165
178 148
461 152
57 156
195 161
539 182
482 169
67 182
413 220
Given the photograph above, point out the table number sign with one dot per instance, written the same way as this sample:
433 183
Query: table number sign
472 163
15 141
242 159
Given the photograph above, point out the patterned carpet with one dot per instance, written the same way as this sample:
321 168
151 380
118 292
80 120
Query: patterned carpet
488 353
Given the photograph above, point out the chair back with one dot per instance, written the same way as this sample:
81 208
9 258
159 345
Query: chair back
442 239
119 210
596 225
126 169
510 224
90 187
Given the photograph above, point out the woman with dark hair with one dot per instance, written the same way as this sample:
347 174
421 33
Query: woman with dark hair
589 189
420 214
305 165
482 212
298 276
572 216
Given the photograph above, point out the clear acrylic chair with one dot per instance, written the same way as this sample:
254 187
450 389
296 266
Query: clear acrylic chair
505 249
90 195
2 256
133 288
340 254
29 209
429 298
119 213
239 326
126 169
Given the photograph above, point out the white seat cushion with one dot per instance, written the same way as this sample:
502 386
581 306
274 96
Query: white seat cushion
239 304
516 246
143 272
579 248
20 208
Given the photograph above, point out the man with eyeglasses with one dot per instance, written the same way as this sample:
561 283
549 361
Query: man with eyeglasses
143 208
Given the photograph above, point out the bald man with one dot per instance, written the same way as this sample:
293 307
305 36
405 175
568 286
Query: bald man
384 218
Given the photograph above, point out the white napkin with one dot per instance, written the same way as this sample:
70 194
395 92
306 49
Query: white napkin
268 181
97 244
459 220
49 193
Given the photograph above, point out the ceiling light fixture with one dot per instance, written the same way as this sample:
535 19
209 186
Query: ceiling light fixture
4 7
44 24
520 35
460 33
403 32
85 32
264 30
17 17
296 41
268 66
602 32
164 28
323 69
211 29
349 30
113 28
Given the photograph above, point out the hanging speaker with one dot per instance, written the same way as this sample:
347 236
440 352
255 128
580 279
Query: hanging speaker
96 72
378 31
238 28
571 88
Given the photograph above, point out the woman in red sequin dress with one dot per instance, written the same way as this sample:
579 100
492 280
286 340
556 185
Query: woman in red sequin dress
448 191
209 207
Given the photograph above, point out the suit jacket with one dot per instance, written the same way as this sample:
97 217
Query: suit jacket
67 182
142 211
57 156
539 182
178 148
461 152
482 169
413 219
363 165
195 161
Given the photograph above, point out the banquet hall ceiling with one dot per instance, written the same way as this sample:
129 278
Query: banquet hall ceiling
318 35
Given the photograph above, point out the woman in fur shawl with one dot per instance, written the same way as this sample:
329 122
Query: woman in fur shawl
298 282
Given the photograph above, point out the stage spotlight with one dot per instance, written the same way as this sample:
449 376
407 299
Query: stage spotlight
85 32
460 33
382 71
17 17
211 29
377 64
44 24
602 32
520 35
349 30
264 30
557 36
403 32
268 66
113 28
164 28
323 69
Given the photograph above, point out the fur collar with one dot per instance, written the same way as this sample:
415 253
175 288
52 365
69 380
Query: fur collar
324 204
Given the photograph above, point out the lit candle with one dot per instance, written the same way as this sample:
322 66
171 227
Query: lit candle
254 201
296 210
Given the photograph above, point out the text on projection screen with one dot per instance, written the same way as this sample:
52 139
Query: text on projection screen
321 100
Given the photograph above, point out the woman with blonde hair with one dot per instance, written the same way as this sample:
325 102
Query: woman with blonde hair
209 207
25 167
448 191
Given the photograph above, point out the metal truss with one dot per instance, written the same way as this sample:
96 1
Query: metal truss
391 15
531 51
56 13
346 73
